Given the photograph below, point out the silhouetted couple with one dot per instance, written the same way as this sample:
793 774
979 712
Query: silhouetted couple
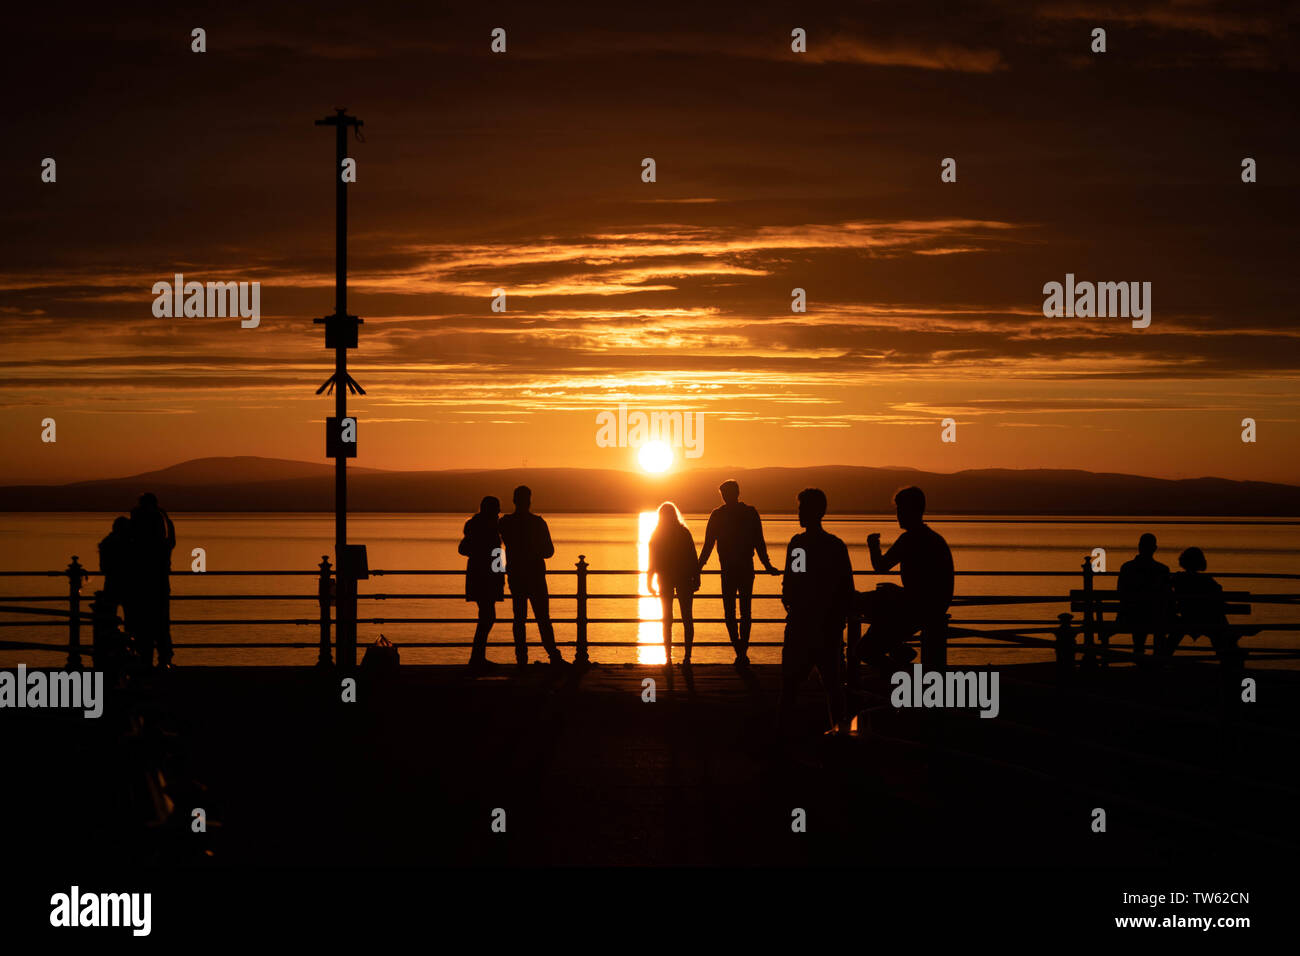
527 545
1166 607
736 529
136 559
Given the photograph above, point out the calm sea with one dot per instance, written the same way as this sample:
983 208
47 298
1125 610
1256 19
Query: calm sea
245 542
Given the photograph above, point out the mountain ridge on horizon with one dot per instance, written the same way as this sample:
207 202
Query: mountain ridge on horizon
253 483
313 467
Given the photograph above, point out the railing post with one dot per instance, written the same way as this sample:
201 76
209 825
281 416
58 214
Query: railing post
580 653
324 593
1065 644
76 574
1089 648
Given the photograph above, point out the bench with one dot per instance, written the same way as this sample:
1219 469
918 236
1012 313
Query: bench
1101 602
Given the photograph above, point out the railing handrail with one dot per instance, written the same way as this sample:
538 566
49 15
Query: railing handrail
101 618
1257 575
958 601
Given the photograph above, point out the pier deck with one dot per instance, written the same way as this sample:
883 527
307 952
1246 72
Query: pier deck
587 772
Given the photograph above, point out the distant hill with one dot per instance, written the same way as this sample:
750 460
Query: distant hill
272 484
239 470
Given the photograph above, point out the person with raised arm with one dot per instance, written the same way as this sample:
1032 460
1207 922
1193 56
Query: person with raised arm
894 613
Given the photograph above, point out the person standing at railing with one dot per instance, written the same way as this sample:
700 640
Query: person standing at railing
817 591
115 563
894 612
485 581
115 566
674 562
1143 597
528 544
153 538
737 530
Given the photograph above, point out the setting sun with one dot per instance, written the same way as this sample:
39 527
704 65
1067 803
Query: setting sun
655 456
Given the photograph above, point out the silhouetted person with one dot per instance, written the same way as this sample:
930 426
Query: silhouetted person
153 538
484 584
1143 597
817 591
1199 607
894 612
528 545
673 561
737 530
115 563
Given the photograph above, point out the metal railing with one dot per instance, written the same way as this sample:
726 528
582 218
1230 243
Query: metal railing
996 632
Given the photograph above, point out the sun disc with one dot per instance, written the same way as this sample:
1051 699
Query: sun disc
655 456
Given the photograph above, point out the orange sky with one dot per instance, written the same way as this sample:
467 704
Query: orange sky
522 172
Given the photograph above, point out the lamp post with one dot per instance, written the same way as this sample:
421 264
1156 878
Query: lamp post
341 332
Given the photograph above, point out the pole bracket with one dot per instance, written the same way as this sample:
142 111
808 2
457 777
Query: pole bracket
354 387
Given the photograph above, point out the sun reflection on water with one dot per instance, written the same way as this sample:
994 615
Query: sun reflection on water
649 632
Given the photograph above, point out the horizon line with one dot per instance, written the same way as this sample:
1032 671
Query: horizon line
12 483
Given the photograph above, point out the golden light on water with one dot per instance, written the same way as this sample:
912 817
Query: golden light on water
649 633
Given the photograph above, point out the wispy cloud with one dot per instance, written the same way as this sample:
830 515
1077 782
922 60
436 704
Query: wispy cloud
839 48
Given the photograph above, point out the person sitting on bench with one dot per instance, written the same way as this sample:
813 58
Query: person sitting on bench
1143 597
1199 607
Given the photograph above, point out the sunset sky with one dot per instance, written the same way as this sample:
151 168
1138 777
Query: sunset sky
775 170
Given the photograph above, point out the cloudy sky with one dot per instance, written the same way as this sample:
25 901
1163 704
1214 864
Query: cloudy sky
775 170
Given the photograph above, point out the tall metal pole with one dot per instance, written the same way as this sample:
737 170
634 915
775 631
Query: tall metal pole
341 333
346 653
